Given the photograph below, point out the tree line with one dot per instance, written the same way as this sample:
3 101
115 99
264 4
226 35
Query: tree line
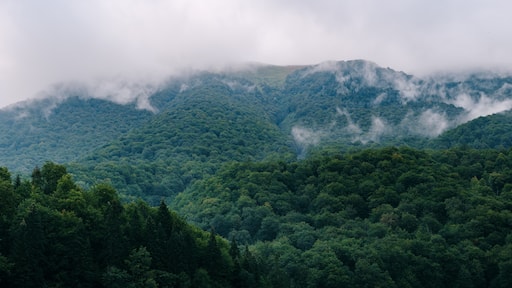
56 234
388 217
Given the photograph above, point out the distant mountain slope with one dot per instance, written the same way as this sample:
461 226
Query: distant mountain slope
47 130
212 121
494 131
356 102
351 102
202 120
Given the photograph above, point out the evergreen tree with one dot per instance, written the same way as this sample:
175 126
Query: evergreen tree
37 179
28 247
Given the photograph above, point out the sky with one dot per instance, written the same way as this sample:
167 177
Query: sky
44 43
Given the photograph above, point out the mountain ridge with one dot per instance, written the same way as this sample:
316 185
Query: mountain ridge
337 104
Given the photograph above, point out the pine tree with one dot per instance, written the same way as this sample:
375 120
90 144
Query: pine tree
213 258
37 179
28 250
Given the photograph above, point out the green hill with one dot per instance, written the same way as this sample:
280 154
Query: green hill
393 217
494 131
61 131
316 170
203 120
198 130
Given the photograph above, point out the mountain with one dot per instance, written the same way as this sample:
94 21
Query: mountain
193 124
212 120
312 168
493 131
61 130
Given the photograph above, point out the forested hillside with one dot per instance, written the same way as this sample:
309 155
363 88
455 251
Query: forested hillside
205 125
494 131
391 217
333 175
282 112
55 234
61 130
193 124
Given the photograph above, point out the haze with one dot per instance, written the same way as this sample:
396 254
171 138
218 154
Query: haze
44 43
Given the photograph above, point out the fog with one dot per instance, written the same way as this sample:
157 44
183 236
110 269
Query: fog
47 43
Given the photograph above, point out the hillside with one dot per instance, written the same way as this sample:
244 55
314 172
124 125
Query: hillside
61 130
379 217
494 131
205 125
342 174
202 120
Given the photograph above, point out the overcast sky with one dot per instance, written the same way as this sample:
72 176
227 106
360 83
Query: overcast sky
52 41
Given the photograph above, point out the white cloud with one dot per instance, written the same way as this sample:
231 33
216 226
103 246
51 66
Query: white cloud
351 127
431 123
482 106
381 97
378 129
54 41
305 137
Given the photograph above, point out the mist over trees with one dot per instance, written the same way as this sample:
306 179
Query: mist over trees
338 174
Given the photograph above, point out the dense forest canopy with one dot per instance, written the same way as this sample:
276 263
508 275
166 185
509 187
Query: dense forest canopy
394 217
193 124
55 234
331 175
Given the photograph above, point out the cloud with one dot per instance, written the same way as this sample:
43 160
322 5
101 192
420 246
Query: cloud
56 41
305 136
482 106
115 90
351 127
431 123
381 97
378 129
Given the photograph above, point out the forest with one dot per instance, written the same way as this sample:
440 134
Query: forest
55 234
344 174
385 217
194 124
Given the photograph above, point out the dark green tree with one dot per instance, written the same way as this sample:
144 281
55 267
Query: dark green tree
28 247
51 174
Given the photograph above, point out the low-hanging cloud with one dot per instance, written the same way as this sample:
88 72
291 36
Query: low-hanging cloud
378 129
431 123
305 136
117 91
482 106
56 41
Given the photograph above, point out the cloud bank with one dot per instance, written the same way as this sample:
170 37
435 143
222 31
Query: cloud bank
56 41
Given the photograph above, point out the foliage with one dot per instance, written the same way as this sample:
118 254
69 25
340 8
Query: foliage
222 149
70 237
203 120
61 131
203 127
393 217
494 131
